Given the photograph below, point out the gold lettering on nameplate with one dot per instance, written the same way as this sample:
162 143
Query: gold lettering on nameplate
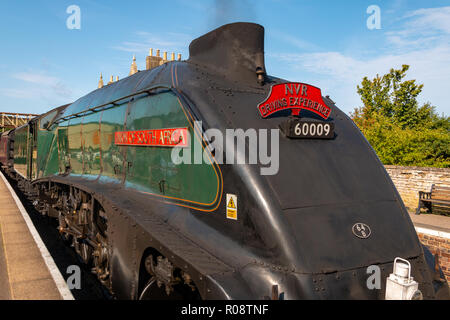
172 137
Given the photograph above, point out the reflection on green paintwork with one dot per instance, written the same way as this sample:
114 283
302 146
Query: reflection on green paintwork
75 150
91 145
63 147
84 146
112 156
47 152
151 168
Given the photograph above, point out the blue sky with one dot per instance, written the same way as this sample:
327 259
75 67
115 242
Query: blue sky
43 64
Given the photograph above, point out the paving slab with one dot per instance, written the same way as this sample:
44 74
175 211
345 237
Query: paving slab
431 221
24 274
5 290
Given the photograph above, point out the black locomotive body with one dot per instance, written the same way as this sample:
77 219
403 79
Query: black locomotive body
292 237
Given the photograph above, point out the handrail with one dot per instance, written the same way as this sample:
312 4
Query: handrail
113 103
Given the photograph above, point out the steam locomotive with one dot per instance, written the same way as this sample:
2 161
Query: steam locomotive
151 228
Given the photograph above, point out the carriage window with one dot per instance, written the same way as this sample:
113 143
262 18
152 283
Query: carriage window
46 120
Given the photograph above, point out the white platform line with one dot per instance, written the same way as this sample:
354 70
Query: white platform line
432 232
54 271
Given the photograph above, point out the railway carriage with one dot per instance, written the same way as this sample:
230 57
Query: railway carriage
151 228
6 148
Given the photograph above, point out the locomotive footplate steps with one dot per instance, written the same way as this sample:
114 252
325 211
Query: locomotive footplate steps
27 271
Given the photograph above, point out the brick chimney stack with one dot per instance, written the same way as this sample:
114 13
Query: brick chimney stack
152 61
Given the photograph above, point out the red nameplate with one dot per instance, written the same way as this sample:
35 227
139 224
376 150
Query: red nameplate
294 96
173 137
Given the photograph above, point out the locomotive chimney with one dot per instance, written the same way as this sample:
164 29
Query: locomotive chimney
164 59
152 61
235 50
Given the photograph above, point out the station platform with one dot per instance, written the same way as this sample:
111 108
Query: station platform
27 271
431 221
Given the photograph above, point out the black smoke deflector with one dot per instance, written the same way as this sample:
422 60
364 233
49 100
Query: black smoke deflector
235 50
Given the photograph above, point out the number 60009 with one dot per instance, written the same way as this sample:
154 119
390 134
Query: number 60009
311 129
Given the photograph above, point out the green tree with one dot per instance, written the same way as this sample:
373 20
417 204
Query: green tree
401 131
